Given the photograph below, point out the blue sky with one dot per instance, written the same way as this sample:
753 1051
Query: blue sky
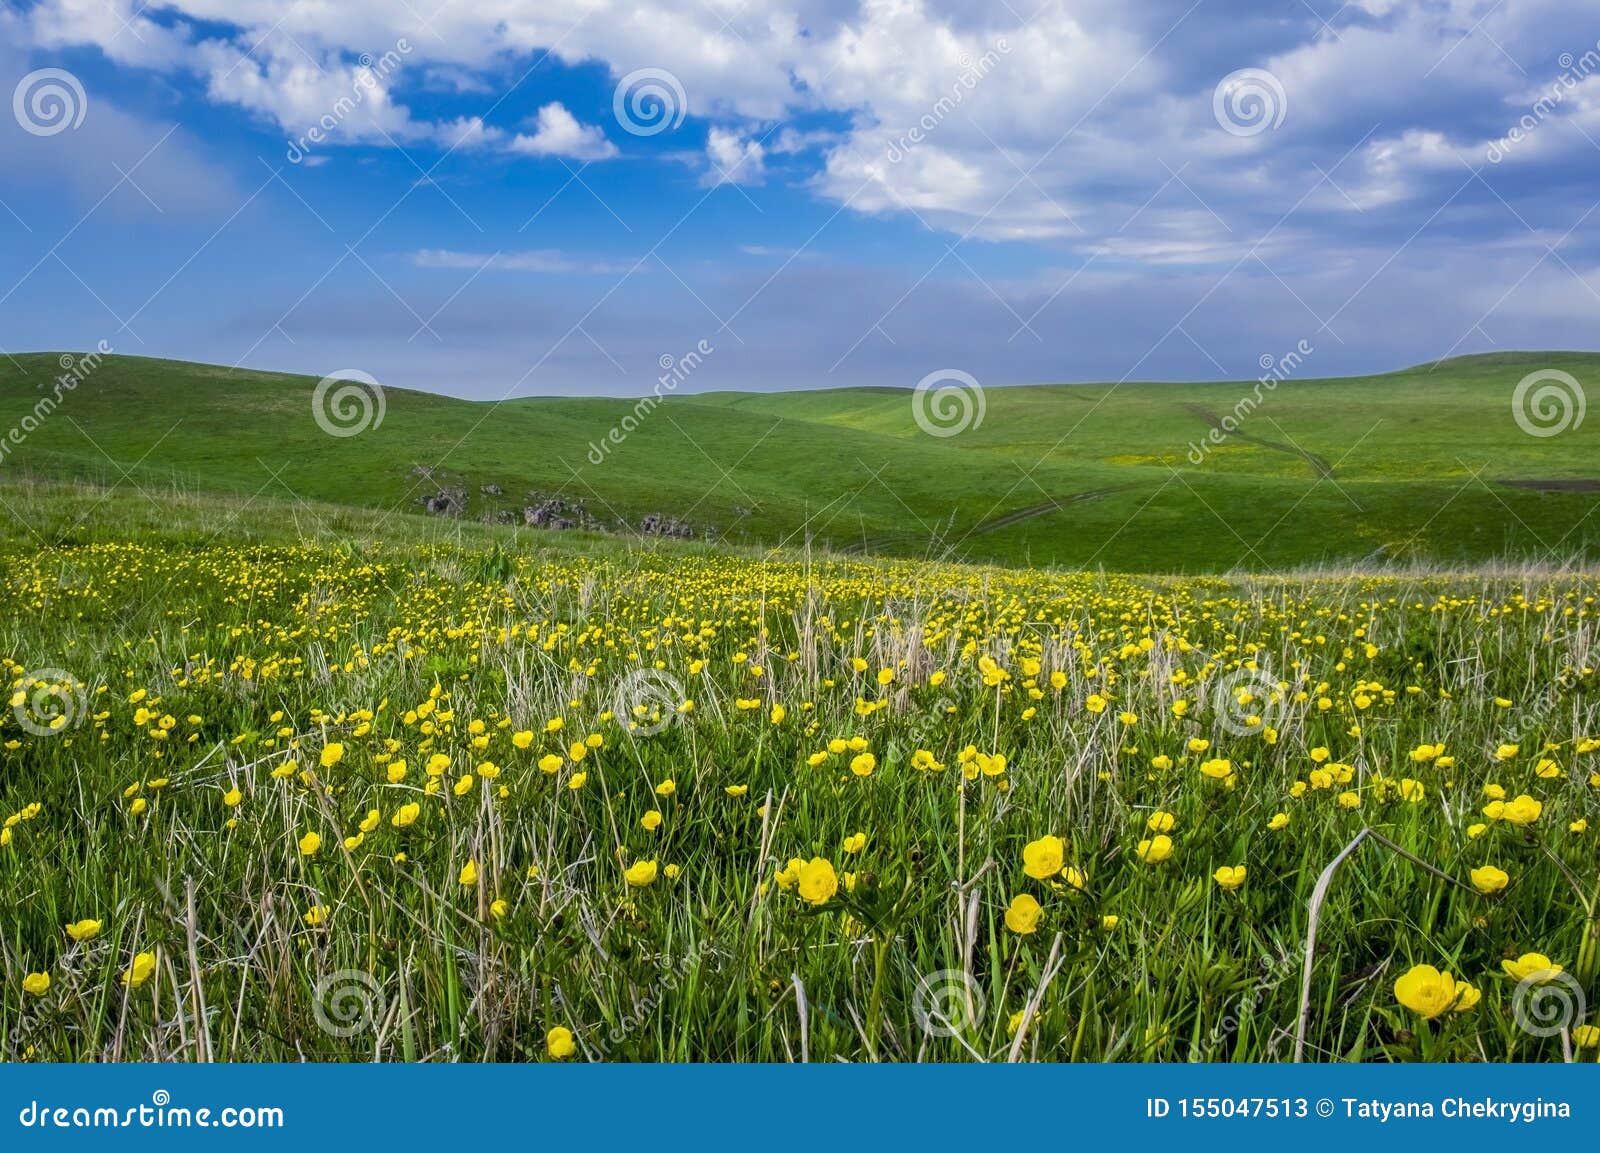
828 193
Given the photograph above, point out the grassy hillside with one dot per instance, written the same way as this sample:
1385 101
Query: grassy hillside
1425 464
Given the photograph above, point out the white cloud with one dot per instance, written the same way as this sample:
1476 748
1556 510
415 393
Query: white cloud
558 133
1065 125
734 159
545 260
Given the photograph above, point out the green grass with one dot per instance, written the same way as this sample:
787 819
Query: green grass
1414 465
204 655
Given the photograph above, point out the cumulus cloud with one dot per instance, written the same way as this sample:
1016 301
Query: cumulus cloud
558 133
1057 124
734 159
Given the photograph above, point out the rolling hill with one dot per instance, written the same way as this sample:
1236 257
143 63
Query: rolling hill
1430 463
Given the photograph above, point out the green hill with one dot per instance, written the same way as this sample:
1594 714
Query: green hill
1425 464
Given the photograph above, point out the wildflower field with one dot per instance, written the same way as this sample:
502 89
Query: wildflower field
360 795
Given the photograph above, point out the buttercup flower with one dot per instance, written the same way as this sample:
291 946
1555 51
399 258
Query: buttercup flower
1428 993
1022 915
640 873
817 882
85 930
1043 858
1155 850
1229 877
558 1043
1488 879
1535 967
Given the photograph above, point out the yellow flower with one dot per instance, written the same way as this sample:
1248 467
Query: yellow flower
143 967
1074 878
1488 879
309 844
1155 850
1586 1037
1427 992
468 874
85 930
855 842
550 763
1161 822
666 788
1477 830
1218 769
406 814
522 739
1022 915
38 984
1535 967
1230 877
736 790
332 754
671 872
1278 821
863 764
1109 922
1524 810
576 781
640 873
558 1042
315 915
232 797
1043 858
370 821
499 907
817 882
651 821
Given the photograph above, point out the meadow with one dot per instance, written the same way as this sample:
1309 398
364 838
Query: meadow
1426 465
283 781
